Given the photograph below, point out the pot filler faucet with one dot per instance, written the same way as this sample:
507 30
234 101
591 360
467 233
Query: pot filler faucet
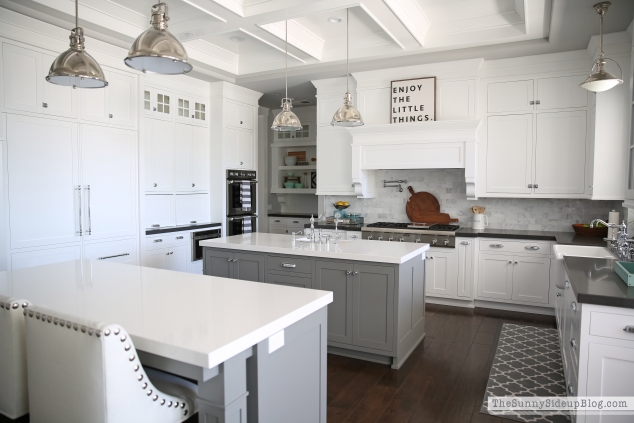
621 245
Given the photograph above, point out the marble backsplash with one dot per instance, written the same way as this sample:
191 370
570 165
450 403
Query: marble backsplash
448 185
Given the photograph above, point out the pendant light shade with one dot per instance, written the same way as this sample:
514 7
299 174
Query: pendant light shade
347 115
601 80
286 120
157 50
75 67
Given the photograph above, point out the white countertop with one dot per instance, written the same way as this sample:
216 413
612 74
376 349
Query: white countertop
196 319
360 250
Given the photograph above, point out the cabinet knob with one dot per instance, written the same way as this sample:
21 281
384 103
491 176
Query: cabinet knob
192 116
155 185
154 109
530 185
538 102
348 272
110 115
629 329
355 273
517 262
240 122
532 103
241 163
536 186
510 262
45 105
193 185
559 294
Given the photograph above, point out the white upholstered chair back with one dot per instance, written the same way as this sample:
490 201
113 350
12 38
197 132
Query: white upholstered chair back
14 398
82 371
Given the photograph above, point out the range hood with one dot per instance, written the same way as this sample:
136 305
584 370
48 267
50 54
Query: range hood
446 144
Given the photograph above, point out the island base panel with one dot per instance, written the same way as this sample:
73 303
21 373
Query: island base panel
289 384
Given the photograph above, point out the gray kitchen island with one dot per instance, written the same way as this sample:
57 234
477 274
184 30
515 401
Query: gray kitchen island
378 310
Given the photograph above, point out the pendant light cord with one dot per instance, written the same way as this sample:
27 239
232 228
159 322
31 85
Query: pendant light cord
347 49
601 33
286 75
76 13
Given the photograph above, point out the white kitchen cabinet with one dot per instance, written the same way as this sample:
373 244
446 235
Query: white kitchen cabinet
201 113
495 278
440 273
307 133
509 154
159 150
116 104
239 149
191 158
25 88
238 115
334 162
44 194
184 108
192 208
512 96
21 260
560 93
531 279
167 258
158 103
560 153
465 251
160 211
108 178
119 251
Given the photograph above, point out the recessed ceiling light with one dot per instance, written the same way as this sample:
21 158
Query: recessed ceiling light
335 20
188 34
236 39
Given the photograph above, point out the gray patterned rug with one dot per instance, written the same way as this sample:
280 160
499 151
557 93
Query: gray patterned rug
527 363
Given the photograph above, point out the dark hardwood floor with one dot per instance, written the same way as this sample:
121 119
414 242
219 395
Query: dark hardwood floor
443 381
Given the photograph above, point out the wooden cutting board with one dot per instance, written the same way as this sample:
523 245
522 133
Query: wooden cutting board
423 207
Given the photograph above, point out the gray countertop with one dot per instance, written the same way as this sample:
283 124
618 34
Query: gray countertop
594 281
291 214
566 238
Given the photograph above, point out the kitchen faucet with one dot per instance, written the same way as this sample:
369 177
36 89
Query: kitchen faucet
311 236
621 245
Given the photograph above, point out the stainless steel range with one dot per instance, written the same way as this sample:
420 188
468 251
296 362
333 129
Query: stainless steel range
436 235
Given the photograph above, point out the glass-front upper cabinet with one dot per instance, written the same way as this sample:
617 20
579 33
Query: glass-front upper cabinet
158 103
305 134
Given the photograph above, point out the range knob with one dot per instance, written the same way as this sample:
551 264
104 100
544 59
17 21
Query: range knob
434 241
446 242
369 237
390 238
379 238
401 239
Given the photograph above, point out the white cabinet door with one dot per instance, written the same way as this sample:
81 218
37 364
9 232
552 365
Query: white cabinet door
121 251
42 257
159 211
238 115
199 159
43 161
23 79
610 374
334 162
440 275
177 259
495 279
509 154
94 104
160 156
59 100
108 178
201 116
560 93
239 149
560 153
158 103
121 95
182 157
514 96
192 208
184 108
531 279
157 259
465 252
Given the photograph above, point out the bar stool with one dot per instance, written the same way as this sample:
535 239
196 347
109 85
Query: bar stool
14 397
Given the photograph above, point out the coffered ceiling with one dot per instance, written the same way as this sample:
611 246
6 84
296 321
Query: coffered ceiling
243 40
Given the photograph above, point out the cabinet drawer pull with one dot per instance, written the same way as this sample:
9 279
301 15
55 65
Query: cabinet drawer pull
109 257
573 306
354 236
156 225
179 237
295 221
289 265
348 272
573 344
538 102
158 240
531 247
532 103
193 185
496 245
355 273
536 186
277 221
465 243
155 185
629 329
559 294
45 105
430 257
232 260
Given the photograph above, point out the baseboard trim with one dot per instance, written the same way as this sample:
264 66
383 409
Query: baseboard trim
450 302
547 311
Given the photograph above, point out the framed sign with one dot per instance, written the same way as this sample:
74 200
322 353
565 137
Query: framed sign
413 100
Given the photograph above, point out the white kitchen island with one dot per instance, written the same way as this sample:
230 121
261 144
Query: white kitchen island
216 331
378 308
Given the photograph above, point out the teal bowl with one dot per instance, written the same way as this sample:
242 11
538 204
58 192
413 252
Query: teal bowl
289 184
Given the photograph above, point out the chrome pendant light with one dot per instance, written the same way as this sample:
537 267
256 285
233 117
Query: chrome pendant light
74 67
157 50
601 80
286 120
347 115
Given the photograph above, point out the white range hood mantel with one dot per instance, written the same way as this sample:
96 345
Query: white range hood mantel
447 144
